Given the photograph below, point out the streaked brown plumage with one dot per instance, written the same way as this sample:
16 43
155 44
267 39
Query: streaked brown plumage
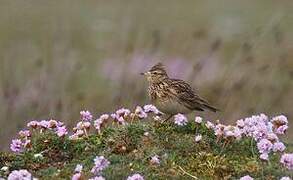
173 96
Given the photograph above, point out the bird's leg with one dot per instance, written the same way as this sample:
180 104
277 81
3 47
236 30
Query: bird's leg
167 119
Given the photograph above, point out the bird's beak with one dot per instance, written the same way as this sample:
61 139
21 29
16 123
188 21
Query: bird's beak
145 73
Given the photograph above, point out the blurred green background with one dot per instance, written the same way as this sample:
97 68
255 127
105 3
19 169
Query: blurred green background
59 57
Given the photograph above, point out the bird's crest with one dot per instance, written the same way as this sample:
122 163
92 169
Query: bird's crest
158 66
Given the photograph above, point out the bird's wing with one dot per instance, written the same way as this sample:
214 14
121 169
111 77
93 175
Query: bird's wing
187 96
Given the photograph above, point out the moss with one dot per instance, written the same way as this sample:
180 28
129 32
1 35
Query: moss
129 151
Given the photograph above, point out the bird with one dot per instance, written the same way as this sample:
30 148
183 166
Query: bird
173 96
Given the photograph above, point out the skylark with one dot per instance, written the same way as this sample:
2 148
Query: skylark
173 96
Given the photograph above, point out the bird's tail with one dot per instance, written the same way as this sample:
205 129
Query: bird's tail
211 108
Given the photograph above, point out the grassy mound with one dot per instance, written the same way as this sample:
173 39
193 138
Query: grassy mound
129 149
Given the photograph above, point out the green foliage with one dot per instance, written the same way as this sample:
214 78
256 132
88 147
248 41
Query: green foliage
129 150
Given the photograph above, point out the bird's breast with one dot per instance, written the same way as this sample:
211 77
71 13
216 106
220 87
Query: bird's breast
165 101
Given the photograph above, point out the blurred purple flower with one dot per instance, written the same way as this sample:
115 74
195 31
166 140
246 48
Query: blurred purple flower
98 122
264 156
135 177
33 124
44 124
155 159
281 130
209 125
17 146
198 119
287 161
247 177
76 176
180 119
264 146
97 178
121 120
20 175
100 164
198 138
123 112
240 123
151 108
61 131
279 146
280 120
286 178
140 112
272 137
86 116
24 133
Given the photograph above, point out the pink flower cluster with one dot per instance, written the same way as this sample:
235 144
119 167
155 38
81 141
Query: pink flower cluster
23 142
77 172
263 130
100 164
20 174
56 126
287 161
86 116
155 160
180 119
121 116
135 177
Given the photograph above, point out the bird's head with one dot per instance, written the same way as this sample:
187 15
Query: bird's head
156 74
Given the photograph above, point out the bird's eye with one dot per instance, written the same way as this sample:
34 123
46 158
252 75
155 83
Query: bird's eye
155 72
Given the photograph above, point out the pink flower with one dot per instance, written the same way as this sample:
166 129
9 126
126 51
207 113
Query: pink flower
44 124
135 177
272 137
198 138
24 133
264 156
240 123
279 146
280 120
140 112
180 119
86 116
281 130
61 131
33 124
264 146
76 176
20 175
97 178
100 164
286 178
218 129
209 125
17 146
121 121
247 177
123 112
287 161
98 123
155 160
198 119
151 108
